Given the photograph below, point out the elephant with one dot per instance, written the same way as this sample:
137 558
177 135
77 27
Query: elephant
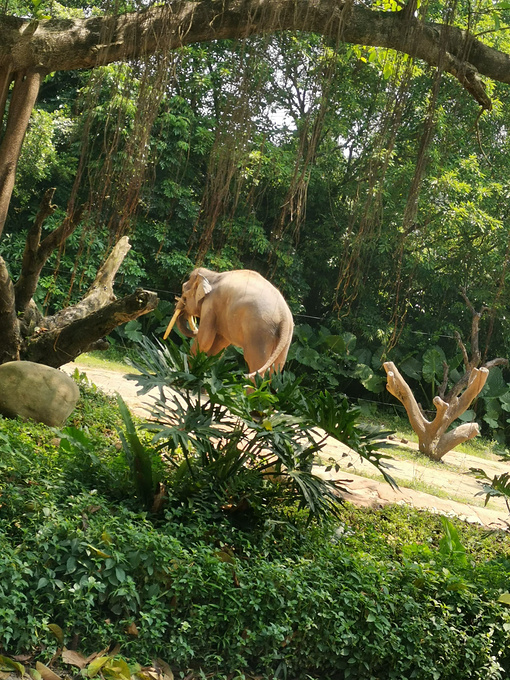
238 307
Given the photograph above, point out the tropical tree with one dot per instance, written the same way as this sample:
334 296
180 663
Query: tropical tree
466 45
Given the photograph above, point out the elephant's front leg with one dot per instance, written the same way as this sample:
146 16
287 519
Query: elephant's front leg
208 340
218 345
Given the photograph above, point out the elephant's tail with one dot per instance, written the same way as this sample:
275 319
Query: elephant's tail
279 353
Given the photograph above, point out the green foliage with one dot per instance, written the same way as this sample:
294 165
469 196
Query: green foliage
40 155
311 602
450 545
495 402
432 369
324 359
458 239
384 594
495 487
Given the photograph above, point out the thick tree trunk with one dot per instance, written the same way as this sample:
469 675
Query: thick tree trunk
9 327
24 94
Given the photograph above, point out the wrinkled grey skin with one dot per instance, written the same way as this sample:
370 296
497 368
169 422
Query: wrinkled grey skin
239 308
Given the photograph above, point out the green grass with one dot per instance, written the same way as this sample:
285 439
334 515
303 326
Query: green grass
110 360
481 448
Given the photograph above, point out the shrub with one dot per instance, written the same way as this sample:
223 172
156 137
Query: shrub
294 602
221 431
391 595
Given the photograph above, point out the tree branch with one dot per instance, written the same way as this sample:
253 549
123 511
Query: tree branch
63 344
477 379
462 347
37 252
99 294
476 356
103 283
397 386
32 263
55 45
474 361
457 436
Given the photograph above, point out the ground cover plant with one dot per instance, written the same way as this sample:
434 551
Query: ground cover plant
388 594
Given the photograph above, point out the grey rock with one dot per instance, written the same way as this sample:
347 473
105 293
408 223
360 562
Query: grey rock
38 392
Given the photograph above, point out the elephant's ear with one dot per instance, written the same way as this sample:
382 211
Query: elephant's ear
203 288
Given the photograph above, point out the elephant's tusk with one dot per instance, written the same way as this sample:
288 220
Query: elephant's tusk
193 324
172 323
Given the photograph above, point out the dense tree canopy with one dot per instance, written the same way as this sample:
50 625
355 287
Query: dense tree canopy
325 145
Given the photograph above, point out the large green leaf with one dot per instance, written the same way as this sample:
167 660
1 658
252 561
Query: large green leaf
364 356
467 416
370 380
411 367
496 385
308 356
432 369
336 344
505 401
450 544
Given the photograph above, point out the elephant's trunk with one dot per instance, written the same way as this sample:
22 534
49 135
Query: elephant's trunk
186 324
177 318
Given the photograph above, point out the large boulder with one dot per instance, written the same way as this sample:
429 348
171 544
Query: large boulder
38 392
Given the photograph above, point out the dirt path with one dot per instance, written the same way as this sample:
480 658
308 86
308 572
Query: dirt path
370 491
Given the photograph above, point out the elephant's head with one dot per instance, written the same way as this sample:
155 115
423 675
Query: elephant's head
189 304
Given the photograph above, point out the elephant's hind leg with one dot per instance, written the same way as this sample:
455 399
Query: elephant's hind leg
257 355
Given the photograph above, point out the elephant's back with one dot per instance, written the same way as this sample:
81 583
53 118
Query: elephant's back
248 284
250 308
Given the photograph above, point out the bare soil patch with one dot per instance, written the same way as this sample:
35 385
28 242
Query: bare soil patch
366 487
